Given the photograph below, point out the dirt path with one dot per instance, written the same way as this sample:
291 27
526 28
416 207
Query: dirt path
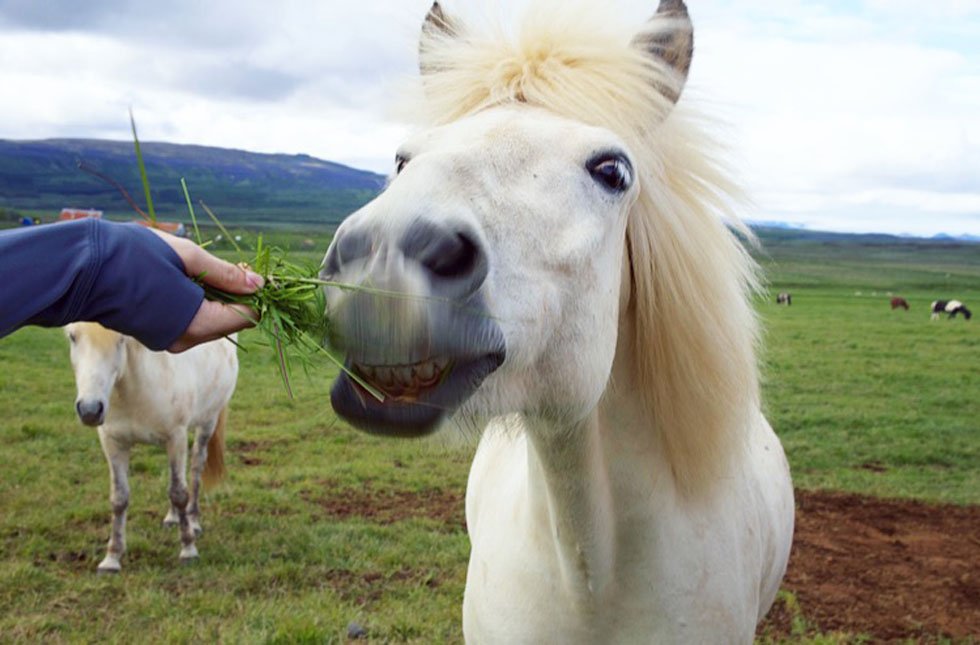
890 569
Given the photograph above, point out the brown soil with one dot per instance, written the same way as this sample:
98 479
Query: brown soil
389 506
893 570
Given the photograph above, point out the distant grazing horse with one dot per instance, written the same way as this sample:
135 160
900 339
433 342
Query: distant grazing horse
784 299
900 303
951 307
566 278
136 396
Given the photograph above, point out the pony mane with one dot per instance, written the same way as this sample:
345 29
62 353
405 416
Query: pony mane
693 329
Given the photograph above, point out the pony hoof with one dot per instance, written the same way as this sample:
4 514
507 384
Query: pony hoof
188 554
108 567
171 519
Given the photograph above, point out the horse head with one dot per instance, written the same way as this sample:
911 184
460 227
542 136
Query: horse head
553 213
98 358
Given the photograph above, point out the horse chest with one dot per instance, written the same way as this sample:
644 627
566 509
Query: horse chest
679 580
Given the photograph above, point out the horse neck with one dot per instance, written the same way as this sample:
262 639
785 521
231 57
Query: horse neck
587 478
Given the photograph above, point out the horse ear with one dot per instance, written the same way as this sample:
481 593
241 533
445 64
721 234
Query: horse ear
437 26
669 36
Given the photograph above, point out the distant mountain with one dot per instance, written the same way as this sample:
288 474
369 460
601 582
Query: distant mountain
789 232
957 238
773 224
241 187
800 237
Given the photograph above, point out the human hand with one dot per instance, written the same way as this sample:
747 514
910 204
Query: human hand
214 319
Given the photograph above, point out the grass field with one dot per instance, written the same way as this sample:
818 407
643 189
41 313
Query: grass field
318 525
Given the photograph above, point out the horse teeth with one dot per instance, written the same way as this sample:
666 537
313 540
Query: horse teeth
426 371
386 375
366 371
403 375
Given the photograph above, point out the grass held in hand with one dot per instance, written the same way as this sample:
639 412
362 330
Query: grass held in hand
291 305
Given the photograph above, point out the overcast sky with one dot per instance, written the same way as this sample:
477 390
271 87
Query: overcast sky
853 115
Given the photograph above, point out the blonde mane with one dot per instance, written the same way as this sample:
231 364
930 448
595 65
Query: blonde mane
694 330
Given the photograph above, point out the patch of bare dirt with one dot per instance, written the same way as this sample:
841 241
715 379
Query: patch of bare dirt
891 569
385 506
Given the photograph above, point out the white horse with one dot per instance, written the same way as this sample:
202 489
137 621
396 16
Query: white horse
134 396
557 231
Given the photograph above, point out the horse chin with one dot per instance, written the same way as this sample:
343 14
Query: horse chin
417 411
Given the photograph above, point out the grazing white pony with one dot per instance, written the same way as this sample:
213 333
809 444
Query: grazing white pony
136 396
559 227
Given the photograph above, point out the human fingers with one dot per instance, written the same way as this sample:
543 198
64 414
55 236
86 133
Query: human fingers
213 270
214 320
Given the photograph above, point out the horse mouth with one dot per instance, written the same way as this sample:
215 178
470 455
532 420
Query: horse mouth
404 382
418 397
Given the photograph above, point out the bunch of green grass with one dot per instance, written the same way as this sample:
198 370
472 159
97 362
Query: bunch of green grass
291 305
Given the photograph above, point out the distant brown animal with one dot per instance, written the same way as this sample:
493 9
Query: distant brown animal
900 303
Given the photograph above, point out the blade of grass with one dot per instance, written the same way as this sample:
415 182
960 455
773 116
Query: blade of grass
142 167
190 208
221 227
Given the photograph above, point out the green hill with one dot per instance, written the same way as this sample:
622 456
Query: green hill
241 187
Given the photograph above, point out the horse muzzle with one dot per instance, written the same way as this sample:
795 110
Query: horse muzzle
91 412
414 326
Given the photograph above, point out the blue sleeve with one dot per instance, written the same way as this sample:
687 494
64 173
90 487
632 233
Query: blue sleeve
120 275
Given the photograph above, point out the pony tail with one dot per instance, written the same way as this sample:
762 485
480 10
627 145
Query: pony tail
214 467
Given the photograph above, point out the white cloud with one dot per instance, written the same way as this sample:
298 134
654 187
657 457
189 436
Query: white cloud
844 112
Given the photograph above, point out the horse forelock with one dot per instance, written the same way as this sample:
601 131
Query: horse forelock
95 334
694 329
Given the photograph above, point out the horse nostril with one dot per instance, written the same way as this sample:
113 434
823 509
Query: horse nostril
452 256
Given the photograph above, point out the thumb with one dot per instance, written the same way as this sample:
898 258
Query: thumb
221 274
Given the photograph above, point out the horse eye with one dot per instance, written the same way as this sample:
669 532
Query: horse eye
71 338
400 162
612 171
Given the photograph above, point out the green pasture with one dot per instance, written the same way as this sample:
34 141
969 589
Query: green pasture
318 525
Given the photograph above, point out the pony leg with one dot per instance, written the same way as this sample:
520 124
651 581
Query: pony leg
118 458
179 497
199 455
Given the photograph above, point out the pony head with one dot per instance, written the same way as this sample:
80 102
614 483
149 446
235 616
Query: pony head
98 358
556 212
